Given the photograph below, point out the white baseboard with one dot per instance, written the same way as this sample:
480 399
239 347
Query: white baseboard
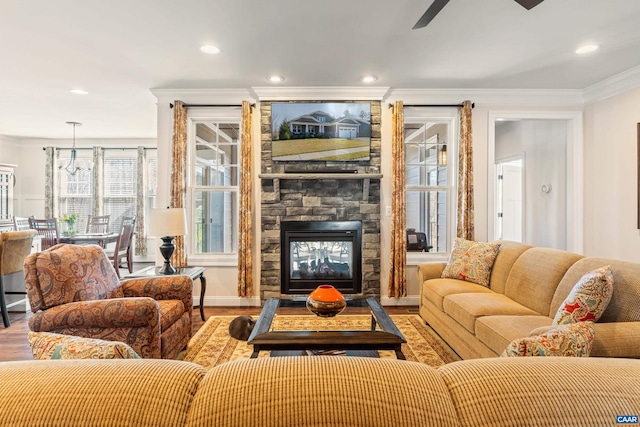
408 300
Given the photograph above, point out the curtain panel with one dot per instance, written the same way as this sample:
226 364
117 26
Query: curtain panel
245 237
141 186
465 225
49 189
398 263
97 180
179 174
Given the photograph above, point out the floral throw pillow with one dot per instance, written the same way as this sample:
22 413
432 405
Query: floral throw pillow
471 261
588 299
49 346
575 340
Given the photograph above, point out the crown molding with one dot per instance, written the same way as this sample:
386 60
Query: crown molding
320 93
203 96
489 97
627 80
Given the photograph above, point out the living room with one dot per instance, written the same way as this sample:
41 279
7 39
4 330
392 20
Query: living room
131 63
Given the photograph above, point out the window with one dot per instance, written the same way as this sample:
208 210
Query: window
429 168
214 159
119 186
75 190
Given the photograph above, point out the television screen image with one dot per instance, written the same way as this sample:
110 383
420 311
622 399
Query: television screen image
321 131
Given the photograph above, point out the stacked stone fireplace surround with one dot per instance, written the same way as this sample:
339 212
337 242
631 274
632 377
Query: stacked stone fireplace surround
325 199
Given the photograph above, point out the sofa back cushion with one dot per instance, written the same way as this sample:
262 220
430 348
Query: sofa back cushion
625 301
68 273
322 391
507 255
535 276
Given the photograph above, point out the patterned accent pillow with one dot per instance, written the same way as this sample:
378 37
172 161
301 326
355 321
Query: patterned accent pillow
574 339
588 299
49 346
471 261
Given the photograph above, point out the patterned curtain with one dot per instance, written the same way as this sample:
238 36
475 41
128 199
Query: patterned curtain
397 273
49 207
465 225
140 236
179 174
96 181
245 238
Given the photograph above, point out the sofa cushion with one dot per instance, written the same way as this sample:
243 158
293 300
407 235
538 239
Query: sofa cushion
496 332
535 276
170 311
507 255
588 299
471 261
435 290
46 346
466 308
574 339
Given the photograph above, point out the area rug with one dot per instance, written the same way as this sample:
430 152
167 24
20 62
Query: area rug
212 345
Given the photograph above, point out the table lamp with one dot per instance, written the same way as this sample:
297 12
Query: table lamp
166 224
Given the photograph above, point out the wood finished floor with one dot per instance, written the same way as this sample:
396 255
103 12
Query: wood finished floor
14 344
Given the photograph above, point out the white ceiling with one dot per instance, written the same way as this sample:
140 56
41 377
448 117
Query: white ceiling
118 50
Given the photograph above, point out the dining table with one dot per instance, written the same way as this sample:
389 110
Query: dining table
101 239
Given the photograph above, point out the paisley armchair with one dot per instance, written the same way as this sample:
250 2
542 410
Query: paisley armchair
74 290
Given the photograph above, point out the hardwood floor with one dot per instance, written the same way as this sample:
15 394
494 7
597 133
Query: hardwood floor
14 344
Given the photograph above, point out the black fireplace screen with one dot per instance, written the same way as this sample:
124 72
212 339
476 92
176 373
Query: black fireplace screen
321 252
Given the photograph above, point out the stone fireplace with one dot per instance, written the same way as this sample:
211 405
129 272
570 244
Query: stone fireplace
295 192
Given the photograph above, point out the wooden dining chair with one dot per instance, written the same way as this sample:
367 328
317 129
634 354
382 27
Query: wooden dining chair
47 229
122 249
98 224
21 223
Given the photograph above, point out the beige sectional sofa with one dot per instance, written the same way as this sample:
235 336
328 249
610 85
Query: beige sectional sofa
319 391
527 286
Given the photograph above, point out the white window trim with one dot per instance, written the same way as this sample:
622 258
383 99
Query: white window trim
197 115
451 116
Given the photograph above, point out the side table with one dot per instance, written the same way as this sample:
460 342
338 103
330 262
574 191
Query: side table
193 272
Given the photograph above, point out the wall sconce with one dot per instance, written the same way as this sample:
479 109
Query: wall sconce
442 155
166 224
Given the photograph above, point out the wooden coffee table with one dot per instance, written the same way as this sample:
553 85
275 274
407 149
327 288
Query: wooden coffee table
354 342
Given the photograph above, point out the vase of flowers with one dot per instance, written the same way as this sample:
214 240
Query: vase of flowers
70 220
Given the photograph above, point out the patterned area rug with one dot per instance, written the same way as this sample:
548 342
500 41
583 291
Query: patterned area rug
212 345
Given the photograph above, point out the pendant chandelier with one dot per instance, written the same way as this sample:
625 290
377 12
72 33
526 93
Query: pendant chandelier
74 165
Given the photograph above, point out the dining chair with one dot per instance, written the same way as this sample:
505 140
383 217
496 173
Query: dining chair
47 229
122 250
98 224
14 248
21 223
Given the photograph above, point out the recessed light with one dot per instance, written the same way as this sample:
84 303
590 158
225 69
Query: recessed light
587 49
78 91
368 79
275 78
210 49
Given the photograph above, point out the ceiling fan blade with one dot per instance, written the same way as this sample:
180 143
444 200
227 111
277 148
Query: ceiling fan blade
529 4
431 13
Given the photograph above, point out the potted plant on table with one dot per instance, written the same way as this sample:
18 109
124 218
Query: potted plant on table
70 220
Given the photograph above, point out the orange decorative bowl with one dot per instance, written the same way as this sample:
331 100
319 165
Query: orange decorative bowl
326 301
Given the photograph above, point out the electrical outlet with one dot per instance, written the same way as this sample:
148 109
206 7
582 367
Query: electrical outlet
388 210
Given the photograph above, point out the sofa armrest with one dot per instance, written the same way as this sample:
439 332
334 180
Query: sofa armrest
430 271
161 288
109 313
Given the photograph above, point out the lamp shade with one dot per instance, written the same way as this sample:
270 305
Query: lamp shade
167 222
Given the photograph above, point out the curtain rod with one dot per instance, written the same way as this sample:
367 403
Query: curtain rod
473 104
210 105
104 148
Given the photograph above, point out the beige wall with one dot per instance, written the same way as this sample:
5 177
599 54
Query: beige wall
610 190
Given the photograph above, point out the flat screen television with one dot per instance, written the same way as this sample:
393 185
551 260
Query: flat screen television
321 131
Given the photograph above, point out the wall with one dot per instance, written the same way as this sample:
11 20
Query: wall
610 190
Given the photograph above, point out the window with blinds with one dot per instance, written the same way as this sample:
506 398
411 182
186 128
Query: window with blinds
119 186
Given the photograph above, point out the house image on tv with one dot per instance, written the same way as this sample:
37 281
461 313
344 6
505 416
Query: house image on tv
324 125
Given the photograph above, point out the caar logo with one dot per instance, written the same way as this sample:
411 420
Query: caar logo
627 419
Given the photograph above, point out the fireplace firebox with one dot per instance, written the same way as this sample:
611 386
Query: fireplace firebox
321 252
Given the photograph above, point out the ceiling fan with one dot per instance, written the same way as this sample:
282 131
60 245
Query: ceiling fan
437 6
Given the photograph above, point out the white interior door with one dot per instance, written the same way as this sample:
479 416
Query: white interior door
510 209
